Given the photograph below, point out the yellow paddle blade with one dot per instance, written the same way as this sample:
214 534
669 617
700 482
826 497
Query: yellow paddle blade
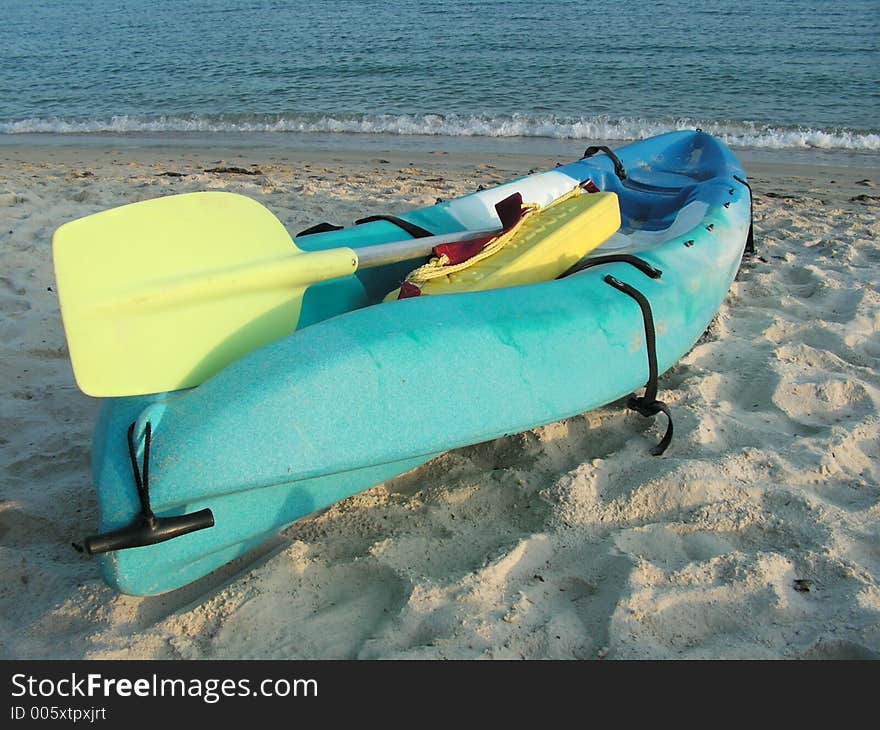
162 294
544 244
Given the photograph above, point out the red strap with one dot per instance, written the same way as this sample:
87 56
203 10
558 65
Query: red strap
408 290
462 251
509 212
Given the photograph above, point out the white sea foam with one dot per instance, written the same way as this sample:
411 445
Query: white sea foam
735 134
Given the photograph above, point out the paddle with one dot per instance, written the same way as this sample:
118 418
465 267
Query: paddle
162 294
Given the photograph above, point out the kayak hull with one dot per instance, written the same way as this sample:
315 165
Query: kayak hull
360 396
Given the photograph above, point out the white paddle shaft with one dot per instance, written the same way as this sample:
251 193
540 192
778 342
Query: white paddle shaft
389 253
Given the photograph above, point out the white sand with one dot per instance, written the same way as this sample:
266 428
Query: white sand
756 535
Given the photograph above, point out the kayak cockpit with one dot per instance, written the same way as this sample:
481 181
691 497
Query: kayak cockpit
633 235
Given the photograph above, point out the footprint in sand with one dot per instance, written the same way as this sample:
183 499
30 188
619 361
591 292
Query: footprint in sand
824 401
12 298
839 649
12 287
329 613
12 306
18 529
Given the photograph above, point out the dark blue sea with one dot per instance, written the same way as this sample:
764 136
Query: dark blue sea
780 74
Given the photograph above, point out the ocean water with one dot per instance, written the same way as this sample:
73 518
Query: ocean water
773 74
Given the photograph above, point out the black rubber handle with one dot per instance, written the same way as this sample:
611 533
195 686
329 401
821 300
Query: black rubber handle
144 532
619 169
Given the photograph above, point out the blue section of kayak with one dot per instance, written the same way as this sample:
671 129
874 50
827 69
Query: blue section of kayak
356 396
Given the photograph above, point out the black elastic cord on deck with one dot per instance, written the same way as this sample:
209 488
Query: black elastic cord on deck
319 228
615 258
647 405
411 228
146 529
619 169
750 239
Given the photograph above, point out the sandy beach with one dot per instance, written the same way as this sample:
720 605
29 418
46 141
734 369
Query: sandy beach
757 535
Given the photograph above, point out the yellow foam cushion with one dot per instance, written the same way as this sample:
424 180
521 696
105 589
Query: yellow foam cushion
543 245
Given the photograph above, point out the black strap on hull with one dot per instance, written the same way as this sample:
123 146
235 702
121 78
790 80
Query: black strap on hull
750 239
646 405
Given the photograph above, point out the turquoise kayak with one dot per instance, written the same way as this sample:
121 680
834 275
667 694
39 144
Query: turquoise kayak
364 390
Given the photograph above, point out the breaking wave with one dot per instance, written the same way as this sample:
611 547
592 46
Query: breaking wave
735 134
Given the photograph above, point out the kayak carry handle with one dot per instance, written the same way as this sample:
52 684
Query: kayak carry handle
619 169
143 532
147 529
